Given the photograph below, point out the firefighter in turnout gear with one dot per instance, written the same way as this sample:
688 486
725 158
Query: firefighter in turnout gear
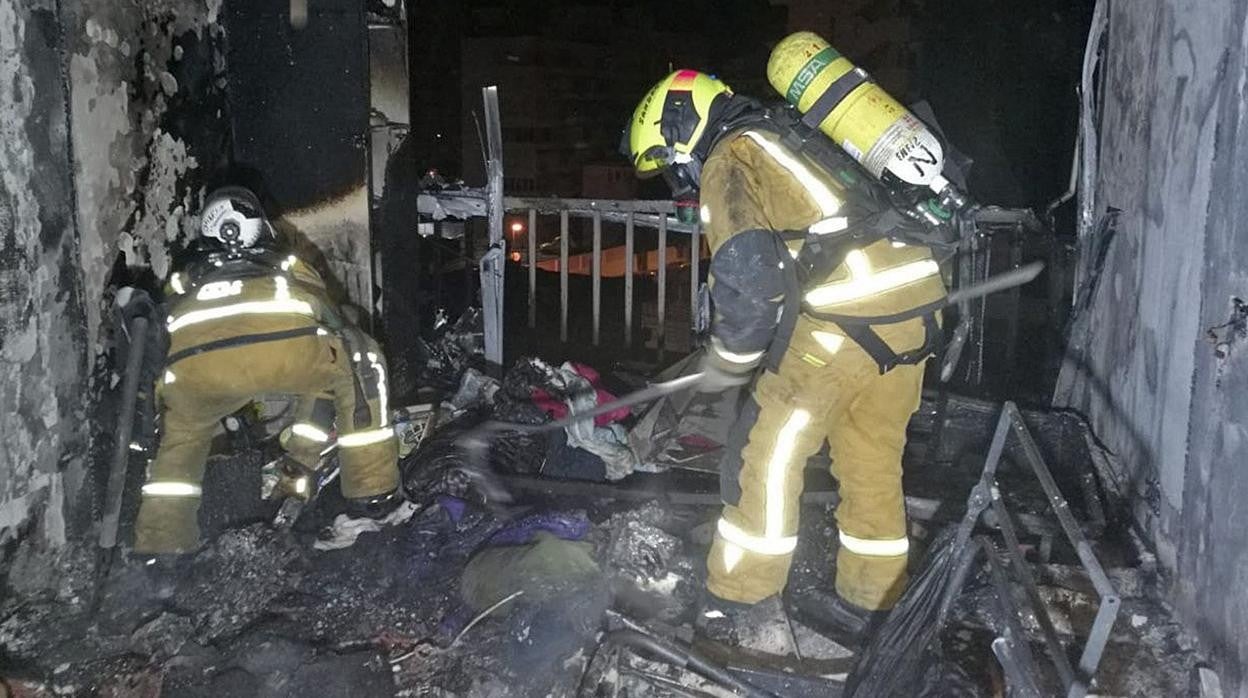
822 290
246 319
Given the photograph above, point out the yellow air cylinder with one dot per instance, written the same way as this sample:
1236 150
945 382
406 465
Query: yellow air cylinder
867 122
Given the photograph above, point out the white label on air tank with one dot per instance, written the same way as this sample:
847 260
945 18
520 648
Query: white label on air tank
908 150
852 149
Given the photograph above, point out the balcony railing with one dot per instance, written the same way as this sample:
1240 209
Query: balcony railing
632 215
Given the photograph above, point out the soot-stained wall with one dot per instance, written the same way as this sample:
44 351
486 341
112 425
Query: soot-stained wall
111 115
1163 375
42 343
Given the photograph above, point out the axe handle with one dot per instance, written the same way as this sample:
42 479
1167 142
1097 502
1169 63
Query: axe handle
110 518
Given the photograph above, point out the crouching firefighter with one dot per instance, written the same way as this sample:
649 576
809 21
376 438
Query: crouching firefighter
817 279
247 319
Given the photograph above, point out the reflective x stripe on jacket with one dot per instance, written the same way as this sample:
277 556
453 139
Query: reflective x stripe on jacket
881 278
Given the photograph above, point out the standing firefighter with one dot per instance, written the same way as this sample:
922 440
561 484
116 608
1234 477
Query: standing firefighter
246 319
819 280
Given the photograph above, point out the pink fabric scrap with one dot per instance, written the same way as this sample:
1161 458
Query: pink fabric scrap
558 409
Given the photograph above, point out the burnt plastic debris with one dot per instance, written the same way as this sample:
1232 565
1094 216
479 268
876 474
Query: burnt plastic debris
649 565
456 348
476 390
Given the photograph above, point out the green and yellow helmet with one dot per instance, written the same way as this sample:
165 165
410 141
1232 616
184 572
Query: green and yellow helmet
666 126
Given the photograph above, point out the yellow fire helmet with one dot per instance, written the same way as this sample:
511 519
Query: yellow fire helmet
666 126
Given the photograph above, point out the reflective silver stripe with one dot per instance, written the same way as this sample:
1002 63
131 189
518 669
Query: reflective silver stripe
761 545
830 341
834 224
171 488
382 399
219 289
365 438
892 547
778 470
286 306
309 432
864 282
827 202
743 358
282 303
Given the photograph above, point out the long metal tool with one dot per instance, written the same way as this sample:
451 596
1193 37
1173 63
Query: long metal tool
110 519
477 441
1001 282
489 430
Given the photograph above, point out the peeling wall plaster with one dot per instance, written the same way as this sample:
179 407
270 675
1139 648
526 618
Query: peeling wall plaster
112 123
42 353
1174 159
130 173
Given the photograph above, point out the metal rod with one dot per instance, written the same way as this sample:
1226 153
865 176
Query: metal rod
555 204
695 261
1098 637
683 657
661 339
466 254
1011 647
532 235
1061 508
470 203
596 276
563 276
1015 241
493 264
993 284
629 261
1005 523
646 394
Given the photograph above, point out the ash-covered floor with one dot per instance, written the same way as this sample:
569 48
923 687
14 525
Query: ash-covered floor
566 574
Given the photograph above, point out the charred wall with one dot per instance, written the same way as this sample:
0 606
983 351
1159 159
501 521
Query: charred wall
42 344
1163 375
112 118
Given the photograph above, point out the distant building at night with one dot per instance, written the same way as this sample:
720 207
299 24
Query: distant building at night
566 88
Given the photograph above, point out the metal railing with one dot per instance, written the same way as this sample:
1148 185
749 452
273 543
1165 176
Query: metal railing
656 215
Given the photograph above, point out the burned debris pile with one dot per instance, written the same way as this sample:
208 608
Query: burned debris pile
570 563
